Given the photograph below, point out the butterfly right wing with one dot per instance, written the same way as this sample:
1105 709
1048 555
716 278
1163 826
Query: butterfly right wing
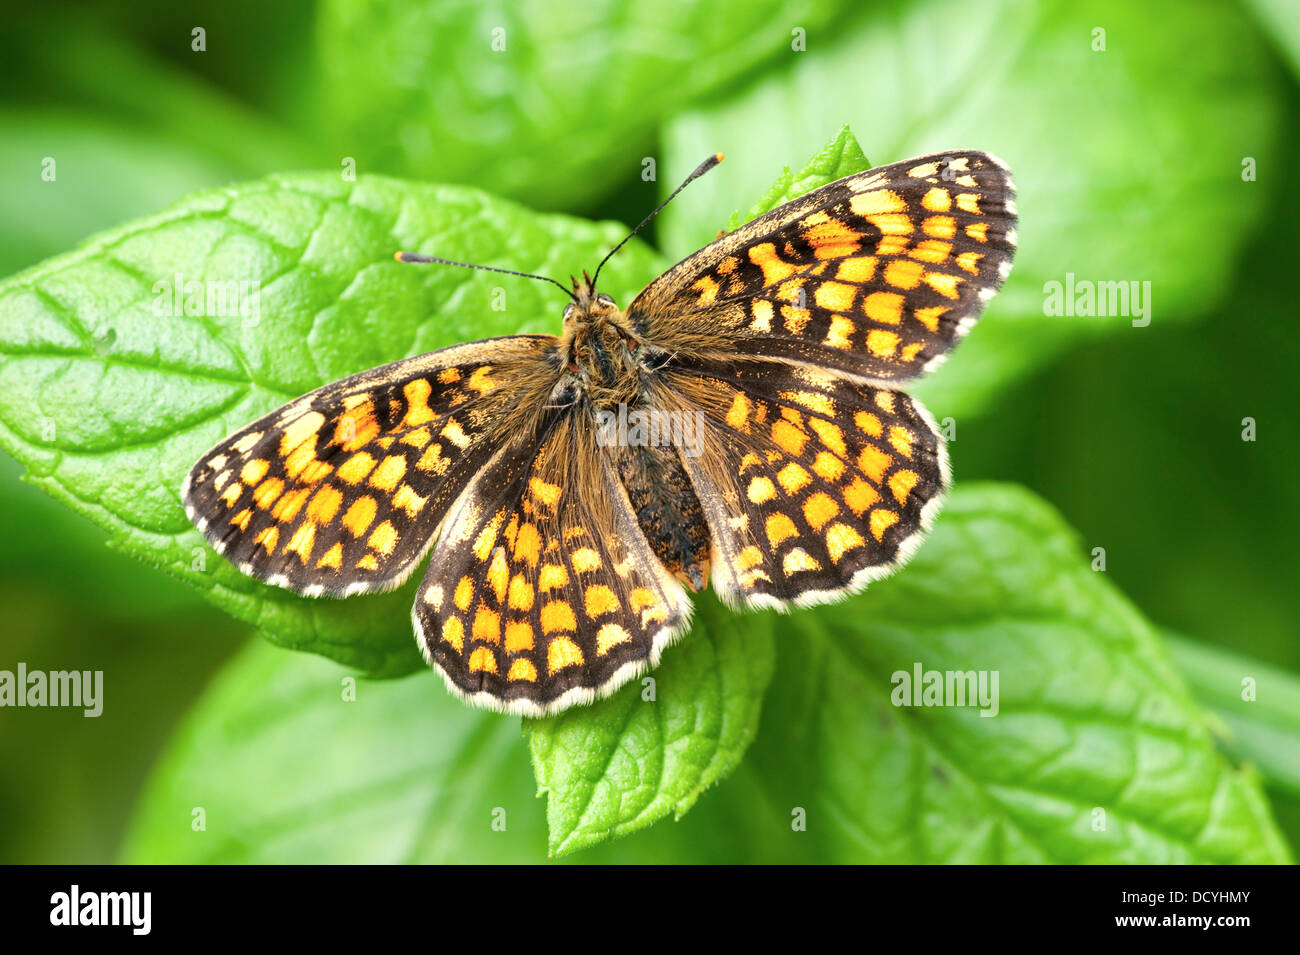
342 490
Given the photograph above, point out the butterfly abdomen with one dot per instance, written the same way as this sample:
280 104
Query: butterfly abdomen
667 510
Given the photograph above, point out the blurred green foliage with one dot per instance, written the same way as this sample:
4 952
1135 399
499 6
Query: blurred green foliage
1129 162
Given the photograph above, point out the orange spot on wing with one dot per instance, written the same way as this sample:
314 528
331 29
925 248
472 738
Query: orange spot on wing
288 506
522 670
941 227
937 200
610 636
818 509
877 201
840 539
880 521
417 403
389 473
484 660
558 615
765 256
873 462
901 484
487 625
302 541
945 285
324 504
355 468
884 307
453 632
332 558
359 515
859 269
860 495
519 636
563 652
929 317
904 273
882 343
384 538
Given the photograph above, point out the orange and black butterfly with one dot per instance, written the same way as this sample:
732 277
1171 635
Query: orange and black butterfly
740 423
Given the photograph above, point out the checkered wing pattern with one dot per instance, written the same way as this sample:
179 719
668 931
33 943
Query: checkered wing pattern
876 275
812 484
342 491
542 591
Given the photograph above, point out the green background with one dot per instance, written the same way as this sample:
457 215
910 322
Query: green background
1129 162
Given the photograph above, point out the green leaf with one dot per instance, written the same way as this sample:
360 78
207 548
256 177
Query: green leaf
108 395
1259 705
286 769
1091 716
624 763
568 107
841 157
1127 162
1093 726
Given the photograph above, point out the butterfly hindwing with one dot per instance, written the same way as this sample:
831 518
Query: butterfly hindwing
542 591
342 490
876 275
812 484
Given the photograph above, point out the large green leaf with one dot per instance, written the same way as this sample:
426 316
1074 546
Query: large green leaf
1128 161
1097 752
107 399
1093 724
547 100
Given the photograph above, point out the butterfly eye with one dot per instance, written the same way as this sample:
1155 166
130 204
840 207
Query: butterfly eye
569 310
604 299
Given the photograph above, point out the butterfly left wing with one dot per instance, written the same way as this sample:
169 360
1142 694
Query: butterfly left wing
877 275
342 490
542 591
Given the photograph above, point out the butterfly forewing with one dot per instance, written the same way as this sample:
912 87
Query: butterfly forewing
342 490
876 275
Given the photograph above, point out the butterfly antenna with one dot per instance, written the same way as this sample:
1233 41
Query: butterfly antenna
416 258
700 170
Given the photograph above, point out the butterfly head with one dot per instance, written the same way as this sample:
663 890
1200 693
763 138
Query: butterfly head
597 344
588 304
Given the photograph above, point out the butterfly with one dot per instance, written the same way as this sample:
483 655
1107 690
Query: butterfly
741 424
